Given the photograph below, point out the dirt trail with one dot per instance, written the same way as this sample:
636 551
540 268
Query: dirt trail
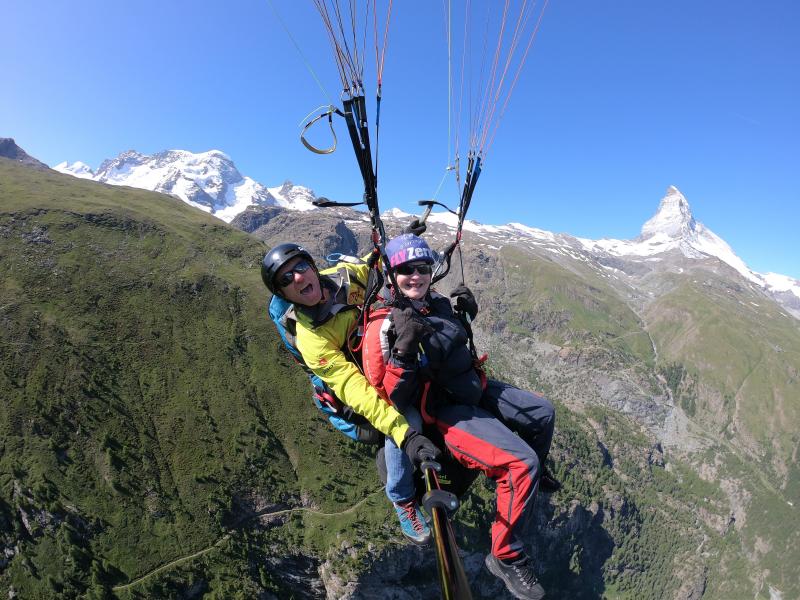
224 538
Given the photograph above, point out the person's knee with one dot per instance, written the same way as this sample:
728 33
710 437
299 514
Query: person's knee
549 410
544 410
528 463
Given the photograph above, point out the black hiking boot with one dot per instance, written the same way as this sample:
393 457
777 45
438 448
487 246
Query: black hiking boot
547 482
518 576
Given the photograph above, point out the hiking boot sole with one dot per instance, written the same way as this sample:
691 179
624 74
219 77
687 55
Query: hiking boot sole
417 541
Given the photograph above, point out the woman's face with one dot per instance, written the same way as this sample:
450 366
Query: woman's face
412 283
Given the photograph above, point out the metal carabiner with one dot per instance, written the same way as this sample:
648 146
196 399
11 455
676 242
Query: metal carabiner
328 113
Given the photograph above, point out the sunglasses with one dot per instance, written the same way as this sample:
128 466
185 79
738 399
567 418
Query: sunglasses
288 277
411 268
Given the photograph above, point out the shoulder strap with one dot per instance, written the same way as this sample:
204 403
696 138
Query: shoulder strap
283 316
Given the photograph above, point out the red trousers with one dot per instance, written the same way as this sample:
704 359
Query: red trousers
507 437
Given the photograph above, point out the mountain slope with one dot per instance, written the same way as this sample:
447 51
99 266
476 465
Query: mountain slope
151 413
147 406
10 151
626 342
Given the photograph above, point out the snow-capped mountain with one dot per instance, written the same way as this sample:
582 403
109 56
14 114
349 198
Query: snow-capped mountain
667 240
206 180
76 169
673 228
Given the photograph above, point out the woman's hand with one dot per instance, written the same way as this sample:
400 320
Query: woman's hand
418 448
415 227
465 300
410 328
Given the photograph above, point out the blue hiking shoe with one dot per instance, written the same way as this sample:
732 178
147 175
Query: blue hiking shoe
412 523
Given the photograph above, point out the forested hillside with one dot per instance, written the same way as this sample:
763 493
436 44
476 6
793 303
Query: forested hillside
146 408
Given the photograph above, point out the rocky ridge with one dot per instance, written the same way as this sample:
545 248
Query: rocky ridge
211 182
10 150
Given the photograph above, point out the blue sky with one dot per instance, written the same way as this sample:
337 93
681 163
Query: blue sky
618 100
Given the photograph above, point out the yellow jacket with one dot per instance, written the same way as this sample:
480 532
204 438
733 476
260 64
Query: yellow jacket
322 347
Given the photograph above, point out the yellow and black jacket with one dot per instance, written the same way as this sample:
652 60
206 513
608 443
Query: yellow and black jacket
323 334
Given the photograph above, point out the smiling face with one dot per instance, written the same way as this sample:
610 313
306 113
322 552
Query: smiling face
304 288
415 285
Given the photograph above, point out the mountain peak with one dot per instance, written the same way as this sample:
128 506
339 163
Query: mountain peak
76 169
10 150
673 218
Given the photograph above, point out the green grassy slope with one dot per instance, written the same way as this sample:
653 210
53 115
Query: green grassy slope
566 308
730 359
146 399
744 356
740 372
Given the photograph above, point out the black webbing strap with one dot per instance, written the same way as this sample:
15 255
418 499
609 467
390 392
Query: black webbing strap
323 202
473 172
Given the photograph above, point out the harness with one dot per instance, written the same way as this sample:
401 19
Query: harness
377 351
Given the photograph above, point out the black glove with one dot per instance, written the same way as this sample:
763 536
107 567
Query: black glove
410 329
418 448
415 227
465 301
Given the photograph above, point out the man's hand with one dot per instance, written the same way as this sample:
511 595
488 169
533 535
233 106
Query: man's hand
415 227
410 329
465 301
418 448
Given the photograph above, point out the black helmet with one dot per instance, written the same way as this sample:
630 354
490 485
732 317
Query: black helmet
276 258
